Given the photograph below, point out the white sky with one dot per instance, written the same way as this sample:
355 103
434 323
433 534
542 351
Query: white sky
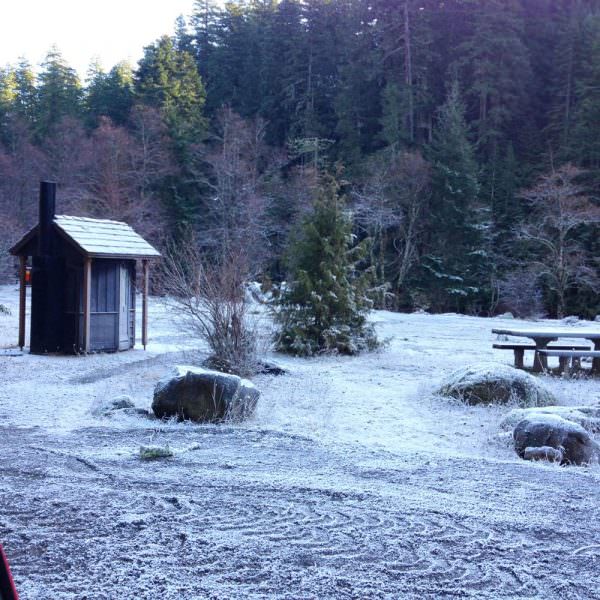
112 30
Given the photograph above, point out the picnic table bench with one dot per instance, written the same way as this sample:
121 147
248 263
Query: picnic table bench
519 349
542 338
569 358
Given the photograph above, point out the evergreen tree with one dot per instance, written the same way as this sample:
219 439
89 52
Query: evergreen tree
496 65
282 38
505 206
17 98
403 45
7 99
183 39
357 107
109 94
58 93
455 265
585 141
25 93
205 23
167 79
325 307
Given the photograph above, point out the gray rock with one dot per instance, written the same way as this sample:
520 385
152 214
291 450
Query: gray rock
570 320
118 403
543 453
137 412
496 384
550 431
586 416
506 315
269 368
204 396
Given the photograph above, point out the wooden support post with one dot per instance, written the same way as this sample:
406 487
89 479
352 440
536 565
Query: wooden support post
133 304
87 294
519 358
540 361
22 299
595 360
564 364
144 303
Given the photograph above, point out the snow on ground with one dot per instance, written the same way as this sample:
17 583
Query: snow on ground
352 480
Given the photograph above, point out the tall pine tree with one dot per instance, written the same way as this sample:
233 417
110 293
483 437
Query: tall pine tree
456 264
59 93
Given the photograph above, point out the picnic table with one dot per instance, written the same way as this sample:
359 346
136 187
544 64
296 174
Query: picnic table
544 335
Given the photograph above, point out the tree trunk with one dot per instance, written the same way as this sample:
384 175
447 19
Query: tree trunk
408 73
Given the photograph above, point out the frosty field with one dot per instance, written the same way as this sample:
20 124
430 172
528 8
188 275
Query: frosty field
351 481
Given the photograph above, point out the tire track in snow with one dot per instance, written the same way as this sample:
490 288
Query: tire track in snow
269 527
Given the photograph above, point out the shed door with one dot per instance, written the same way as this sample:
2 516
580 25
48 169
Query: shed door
124 283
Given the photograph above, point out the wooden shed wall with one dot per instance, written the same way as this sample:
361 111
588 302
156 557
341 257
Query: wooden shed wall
105 305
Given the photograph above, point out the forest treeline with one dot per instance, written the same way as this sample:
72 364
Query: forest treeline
465 135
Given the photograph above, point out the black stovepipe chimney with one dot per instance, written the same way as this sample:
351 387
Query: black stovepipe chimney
47 280
47 210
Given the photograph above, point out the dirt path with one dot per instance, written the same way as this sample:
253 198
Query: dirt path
351 481
255 514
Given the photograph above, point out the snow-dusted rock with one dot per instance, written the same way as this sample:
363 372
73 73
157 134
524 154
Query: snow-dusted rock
496 384
254 292
270 368
570 320
201 395
506 315
108 407
570 439
543 453
586 416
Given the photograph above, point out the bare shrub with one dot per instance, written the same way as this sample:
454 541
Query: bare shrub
520 293
209 297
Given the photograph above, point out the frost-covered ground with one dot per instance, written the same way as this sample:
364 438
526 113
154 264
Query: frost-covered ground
352 480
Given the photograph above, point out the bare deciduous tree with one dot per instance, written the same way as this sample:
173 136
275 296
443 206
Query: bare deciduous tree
391 207
9 234
239 164
209 297
559 208
22 165
120 180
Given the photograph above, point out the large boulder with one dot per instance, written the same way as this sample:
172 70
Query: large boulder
197 394
573 444
496 384
587 417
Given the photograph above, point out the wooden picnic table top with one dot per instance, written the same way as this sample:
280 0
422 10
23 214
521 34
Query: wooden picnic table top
550 333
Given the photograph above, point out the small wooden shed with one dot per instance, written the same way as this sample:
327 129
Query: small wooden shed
82 282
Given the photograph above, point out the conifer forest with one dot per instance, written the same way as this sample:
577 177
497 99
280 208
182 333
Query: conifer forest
463 137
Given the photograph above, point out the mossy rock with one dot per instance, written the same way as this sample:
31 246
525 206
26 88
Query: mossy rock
496 384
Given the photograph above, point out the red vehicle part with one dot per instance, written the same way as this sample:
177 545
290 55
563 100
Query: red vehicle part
7 585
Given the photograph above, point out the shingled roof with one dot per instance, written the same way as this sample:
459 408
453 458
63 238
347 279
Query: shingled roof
98 238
